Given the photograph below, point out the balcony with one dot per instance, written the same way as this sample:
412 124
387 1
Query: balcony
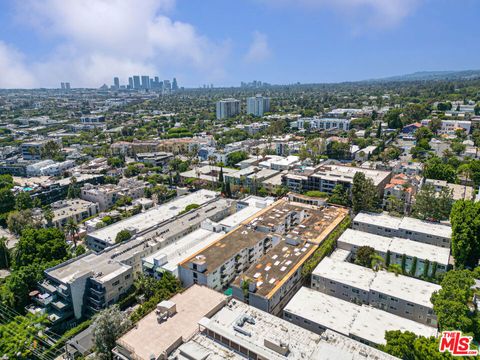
96 302
43 299
97 292
61 306
48 287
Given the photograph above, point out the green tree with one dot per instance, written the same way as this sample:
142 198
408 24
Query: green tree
4 254
450 303
364 256
435 125
393 118
436 169
23 337
50 150
71 229
40 246
444 106
364 193
220 176
23 201
423 133
18 221
408 346
465 220
123 235
338 150
430 205
414 113
339 195
116 162
48 215
228 190
7 200
395 206
73 189
109 325
235 157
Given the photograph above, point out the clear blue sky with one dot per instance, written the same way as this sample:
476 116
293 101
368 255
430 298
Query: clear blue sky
87 42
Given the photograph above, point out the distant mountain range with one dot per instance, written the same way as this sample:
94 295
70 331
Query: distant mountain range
434 75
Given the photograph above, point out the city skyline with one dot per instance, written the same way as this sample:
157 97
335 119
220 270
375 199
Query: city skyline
45 42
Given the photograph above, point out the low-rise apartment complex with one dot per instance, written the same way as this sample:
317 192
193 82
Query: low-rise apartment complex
408 228
431 259
326 177
219 328
108 194
158 220
75 209
269 249
320 313
400 295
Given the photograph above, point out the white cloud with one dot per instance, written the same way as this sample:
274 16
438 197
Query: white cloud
259 49
14 73
374 13
99 39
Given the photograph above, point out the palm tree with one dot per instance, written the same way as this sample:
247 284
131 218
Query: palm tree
378 262
48 215
71 228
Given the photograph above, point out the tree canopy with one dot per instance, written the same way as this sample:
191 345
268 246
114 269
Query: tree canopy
465 220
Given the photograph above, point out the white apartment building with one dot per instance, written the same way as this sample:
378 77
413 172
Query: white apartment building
258 105
165 220
75 209
218 328
168 258
272 281
320 313
106 195
49 168
227 108
318 123
408 228
400 295
448 127
430 259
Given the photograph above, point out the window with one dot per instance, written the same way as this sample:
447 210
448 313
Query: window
116 283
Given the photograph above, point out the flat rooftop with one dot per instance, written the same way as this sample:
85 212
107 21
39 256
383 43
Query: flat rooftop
151 337
228 246
346 273
378 219
240 216
371 324
346 173
281 262
91 264
154 216
397 245
426 227
350 319
266 328
274 268
328 311
320 222
276 214
404 287
68 208
183 248
301 343
405 223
